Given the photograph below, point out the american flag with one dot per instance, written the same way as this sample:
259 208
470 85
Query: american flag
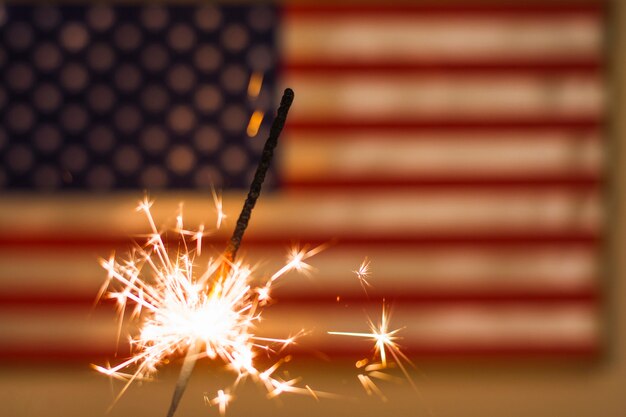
459 147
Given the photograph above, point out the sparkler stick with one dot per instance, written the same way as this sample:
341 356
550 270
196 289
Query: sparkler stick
259 175
242 223
185 373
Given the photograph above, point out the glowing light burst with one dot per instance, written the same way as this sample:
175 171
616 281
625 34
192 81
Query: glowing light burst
212 313
385 345
363 274
221 400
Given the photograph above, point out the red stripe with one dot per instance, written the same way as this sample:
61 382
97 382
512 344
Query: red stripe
416 299
462 351
108 243
428 67
571 182
419 135
309 124
28 355
513 10
426 300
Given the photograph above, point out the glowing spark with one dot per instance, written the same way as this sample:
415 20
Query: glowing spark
217 200
295 260
361 363
363 273
221 401
370 387
383 338
212 314
254 89
313 393
255 84
255 123
384 345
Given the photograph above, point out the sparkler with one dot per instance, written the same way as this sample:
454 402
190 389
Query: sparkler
211 314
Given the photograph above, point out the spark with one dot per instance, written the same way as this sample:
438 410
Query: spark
363 273
217 200
221 401
255 123
370 387
295 260
212 314
254 89
387 350
255 84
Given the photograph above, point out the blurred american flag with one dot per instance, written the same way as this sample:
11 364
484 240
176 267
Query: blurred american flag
459 147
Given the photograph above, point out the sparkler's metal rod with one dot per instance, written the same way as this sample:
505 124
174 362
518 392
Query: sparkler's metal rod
259 175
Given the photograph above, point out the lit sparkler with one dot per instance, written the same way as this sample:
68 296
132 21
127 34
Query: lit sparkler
181 308
208 314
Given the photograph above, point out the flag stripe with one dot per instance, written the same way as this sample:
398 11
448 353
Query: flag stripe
576 182
368 35
444 273
441 136
573 155
528 67
514 326
417 216
350 124
472 97
442 298
587 8
503 328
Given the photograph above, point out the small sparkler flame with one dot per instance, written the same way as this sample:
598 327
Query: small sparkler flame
210 314
363 274
384 345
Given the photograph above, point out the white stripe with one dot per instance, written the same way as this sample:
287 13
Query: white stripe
77 273
59 328
409 96
442 325
296 216
448 325
400 38
405 155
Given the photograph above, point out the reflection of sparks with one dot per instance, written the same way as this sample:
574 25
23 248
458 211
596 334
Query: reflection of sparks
213 312
363 273
384 345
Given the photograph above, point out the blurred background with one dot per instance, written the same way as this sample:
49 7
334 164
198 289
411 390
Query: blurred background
469 150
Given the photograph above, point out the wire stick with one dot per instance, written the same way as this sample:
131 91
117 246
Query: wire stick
259 175
183 378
